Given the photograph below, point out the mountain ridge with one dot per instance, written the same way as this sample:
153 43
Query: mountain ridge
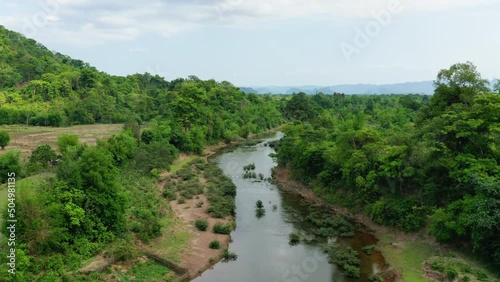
411 87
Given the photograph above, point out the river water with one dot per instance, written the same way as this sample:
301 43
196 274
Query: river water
261 244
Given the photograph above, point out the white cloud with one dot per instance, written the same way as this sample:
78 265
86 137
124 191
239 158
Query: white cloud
98 21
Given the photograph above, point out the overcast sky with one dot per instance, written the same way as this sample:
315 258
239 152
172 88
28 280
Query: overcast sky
268 42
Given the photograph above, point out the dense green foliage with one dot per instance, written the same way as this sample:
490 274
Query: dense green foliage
9 162
346 258
38 87
4 139
404 158
75 214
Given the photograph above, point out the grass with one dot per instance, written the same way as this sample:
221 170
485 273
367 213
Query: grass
174 239
178 164
147 271
407 257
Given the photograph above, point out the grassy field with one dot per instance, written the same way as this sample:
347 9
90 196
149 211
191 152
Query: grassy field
26 138
407 256
174 239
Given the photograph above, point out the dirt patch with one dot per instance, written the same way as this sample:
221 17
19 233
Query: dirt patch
97 264
27 138
197 256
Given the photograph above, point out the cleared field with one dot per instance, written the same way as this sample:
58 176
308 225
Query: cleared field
26 138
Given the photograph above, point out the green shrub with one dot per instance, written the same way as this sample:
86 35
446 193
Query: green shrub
199 204
369 249
181 200
169 194
438 265
260 213
186 173
451 272
221 228
215 244
229 255
4 139
375 278
9 162
259 204
346 258
201 224
122 250
465 278
294 238
42 155
405 214
65 141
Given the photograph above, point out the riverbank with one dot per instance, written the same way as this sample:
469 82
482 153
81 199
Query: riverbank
407 254
196 255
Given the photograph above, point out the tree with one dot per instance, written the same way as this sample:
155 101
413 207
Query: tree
65 141
300 108
496 87
9 163
122 147
42 155
103 201
4 139
147 136
458 84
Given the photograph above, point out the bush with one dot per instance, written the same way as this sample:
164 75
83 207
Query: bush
42 155
229 255
465 278
169 194
220 228
293 238
159 155
438 265
181 200
405 214
4 139
259 204
201 224
451 273
260 213
122 250
147 136
9 162
65 141
214 244
369 249
346 258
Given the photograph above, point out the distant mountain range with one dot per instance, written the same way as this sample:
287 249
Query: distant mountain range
422 87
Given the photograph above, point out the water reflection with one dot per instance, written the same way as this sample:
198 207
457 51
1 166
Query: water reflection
261 241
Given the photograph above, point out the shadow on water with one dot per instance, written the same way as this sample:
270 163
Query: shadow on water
261 237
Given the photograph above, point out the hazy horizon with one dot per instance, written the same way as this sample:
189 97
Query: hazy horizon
258 44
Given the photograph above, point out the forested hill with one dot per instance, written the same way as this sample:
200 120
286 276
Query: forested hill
408 161
39 87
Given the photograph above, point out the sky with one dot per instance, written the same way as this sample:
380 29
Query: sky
268 42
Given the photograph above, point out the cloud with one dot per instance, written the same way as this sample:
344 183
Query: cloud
86 22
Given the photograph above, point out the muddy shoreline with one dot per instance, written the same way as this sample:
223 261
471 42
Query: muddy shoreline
281 178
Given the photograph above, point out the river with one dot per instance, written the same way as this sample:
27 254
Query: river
261 244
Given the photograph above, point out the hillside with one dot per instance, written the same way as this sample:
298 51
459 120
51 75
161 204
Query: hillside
40 87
